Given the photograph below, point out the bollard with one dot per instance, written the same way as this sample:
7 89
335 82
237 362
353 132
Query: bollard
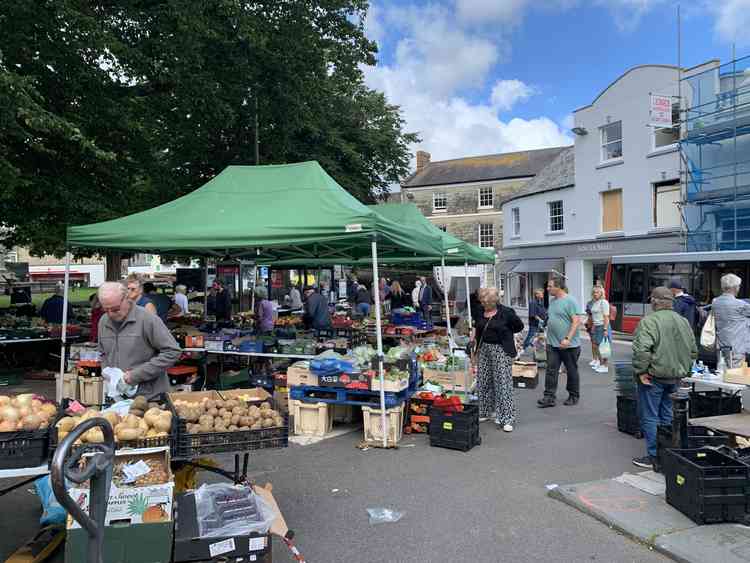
680 411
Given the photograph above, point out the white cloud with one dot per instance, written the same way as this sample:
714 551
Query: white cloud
479 11
732 20
373 28
568 122
507 93
628 13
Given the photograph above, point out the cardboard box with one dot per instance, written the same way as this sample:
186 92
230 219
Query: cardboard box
298 375
134 543
373 424
281 399
450 380
525 375
256 395
133 505
311 418
188 546
390 385
739 376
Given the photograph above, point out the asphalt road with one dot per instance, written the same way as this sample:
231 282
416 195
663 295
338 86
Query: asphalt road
487 505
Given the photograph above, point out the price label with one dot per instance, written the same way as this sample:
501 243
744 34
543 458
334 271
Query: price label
221 547
447 426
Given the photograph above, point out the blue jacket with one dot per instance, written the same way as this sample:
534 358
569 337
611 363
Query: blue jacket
425 296
52 310
537 309
686 306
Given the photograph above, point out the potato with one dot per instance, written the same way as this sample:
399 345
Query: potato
140 403
210 404
143 426
265 406
237 410
223 411
233 428
127 434
66 424
205 428
256 426
267 423
49 409
235 420
61 434
152 433
245 422
213 411
164 422
231 404
112 418
94 436
137 412
131 421
31 422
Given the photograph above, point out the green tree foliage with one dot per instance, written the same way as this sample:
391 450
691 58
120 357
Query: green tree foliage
108 108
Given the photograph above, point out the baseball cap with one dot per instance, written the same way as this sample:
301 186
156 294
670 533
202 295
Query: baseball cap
676 283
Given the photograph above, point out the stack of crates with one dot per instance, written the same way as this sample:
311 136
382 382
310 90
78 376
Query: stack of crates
455 430
707 486
628 420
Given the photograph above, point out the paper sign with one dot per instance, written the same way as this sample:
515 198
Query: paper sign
221 547
354 228
661 111
134 470
256 544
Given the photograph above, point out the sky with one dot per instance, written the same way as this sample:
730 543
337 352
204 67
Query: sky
478 77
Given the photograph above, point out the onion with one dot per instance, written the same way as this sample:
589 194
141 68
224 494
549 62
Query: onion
9 414
31 422
25 399
7 426
4 400
24 411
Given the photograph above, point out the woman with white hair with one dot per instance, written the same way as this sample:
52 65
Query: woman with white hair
732 318
263 311
180 298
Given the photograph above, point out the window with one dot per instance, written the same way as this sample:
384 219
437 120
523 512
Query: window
518 289
611 211
556 220
487 235
516 215
443 228
612 141
668 136
439 202
667 198
486 198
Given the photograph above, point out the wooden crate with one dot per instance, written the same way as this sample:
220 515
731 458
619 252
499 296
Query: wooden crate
390 386
314 419
373 424
70 388
525 375
91 390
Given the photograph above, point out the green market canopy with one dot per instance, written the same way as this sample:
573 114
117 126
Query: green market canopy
262 213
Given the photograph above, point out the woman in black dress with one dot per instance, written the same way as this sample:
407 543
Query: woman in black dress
496 349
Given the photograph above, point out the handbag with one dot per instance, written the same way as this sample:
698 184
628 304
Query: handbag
708 334
605 348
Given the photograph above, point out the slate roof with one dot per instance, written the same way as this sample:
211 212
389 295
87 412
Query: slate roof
558 174
510 165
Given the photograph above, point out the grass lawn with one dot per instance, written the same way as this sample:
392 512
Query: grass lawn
80 295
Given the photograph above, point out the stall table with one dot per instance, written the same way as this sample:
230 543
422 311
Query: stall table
734 424
717 383
31 474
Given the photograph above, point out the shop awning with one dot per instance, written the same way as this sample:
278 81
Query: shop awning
507 266
542 266
275 212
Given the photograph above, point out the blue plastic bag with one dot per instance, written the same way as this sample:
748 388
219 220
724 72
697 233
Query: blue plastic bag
52 511
331 366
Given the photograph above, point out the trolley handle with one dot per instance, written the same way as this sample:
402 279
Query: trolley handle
98 470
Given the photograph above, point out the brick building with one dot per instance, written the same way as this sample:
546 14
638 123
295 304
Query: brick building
463 196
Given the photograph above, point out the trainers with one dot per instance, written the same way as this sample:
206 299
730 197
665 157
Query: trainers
545 402
570 401
594 363
483 418
508 428
601 369
646 462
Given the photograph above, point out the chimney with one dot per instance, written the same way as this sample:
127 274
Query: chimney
423 159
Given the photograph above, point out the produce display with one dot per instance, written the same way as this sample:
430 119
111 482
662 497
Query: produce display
157 474
25 412
144 420
217 415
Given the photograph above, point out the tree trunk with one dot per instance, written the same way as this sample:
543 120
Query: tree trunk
113 269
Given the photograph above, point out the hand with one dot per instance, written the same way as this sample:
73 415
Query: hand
645 378
128 377
565 342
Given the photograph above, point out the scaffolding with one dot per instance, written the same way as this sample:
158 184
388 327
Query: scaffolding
715 153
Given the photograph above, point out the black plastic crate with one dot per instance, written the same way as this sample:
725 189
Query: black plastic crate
707 486
628 420
714 403
23 449
698 437
455 430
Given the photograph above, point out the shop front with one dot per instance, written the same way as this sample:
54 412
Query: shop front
581 265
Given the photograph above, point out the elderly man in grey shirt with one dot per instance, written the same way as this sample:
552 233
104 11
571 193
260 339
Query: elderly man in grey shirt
732 317
136 341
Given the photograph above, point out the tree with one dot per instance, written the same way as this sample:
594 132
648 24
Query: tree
110 108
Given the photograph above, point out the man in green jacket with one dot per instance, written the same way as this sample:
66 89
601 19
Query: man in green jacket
664 349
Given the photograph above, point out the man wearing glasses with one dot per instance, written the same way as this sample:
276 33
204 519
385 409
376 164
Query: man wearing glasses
137 296
135 341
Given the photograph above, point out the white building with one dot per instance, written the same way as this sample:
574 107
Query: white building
616 192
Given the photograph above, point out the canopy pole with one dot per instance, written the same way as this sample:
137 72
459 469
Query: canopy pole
205 289
468 297
252 291
445 295
64 332
379 336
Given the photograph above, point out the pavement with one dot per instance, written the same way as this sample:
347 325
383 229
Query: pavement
487 505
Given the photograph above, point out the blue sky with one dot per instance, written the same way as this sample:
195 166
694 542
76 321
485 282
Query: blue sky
484 76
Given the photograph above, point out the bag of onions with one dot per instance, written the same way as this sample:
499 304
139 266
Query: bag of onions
24 430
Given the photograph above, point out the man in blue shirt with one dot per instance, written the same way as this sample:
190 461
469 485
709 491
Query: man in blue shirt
52 308
563 345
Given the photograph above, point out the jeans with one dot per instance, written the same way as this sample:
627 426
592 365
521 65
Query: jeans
569 358
363 309
533 329
654 408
